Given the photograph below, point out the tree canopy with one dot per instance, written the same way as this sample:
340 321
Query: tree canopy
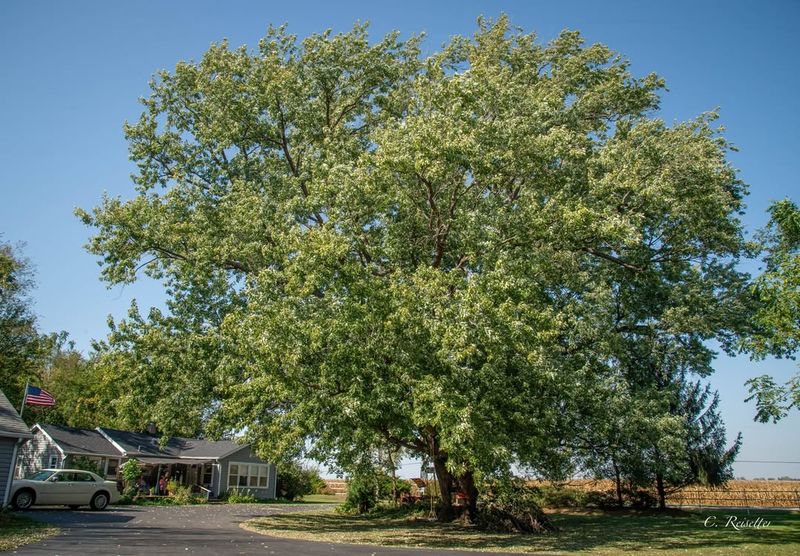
778 317
451 254
25 352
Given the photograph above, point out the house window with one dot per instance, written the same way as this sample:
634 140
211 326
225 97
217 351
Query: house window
207 474
244 475
111 467
53 463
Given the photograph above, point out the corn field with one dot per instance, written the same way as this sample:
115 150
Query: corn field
772 494
766 494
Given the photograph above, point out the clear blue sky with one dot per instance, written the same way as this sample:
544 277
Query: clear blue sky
73 72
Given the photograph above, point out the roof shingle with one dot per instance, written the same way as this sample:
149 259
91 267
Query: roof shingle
80 441
96 442
139 443
11 425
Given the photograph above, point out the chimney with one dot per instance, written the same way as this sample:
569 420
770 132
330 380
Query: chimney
151 428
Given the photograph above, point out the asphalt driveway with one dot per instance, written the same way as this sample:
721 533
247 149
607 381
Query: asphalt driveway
166 530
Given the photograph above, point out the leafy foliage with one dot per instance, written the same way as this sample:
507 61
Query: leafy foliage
295 481
82 462
182 494
446 254
362 494
367 487
240 496
24 352
778 320
511 505
131 470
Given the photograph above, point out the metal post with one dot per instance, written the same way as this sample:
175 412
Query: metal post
24 398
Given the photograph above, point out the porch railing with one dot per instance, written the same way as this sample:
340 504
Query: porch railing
204 492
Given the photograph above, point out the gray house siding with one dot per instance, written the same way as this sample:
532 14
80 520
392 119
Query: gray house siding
38 453
245 455
6 461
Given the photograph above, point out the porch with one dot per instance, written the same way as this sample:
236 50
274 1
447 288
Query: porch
196 474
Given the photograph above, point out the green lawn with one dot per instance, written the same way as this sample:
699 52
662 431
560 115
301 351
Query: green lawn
16 531
324 498
589 532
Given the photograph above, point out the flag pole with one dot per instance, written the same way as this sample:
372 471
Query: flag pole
24 398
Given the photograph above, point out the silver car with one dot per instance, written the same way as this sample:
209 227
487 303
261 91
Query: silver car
70 487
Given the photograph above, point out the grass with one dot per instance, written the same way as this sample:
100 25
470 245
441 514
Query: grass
323 498
16 531
584 532
307 499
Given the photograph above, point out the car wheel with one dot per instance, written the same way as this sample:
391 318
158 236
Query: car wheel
99 501
74 506
23 499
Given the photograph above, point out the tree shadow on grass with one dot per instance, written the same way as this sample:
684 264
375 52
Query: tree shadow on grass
683 530
603 531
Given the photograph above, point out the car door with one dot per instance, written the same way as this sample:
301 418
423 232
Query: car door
55 489
83 487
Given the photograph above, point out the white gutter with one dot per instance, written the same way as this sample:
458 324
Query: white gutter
113 443
50 438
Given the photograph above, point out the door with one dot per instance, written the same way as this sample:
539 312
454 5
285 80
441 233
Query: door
55 489
82 488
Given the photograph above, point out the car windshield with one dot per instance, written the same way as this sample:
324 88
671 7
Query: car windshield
41 476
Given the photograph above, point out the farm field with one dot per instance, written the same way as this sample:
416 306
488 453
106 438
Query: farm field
769 494
774 494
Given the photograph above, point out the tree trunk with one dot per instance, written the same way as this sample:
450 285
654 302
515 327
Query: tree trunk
662 496
467 482
445 480
618 479
394 476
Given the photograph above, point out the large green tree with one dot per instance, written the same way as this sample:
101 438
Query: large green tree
370 247
778 318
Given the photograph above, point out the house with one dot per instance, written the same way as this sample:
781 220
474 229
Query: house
209 466
13 432
54 446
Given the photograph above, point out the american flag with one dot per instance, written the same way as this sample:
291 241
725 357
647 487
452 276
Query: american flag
39 396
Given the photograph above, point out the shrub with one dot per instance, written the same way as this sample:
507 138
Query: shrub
643 499
236 496
385 483
511 505
181 494
362 494
295 481
131 471
82 462
318 484
561 497
604 499
172 486
366 489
